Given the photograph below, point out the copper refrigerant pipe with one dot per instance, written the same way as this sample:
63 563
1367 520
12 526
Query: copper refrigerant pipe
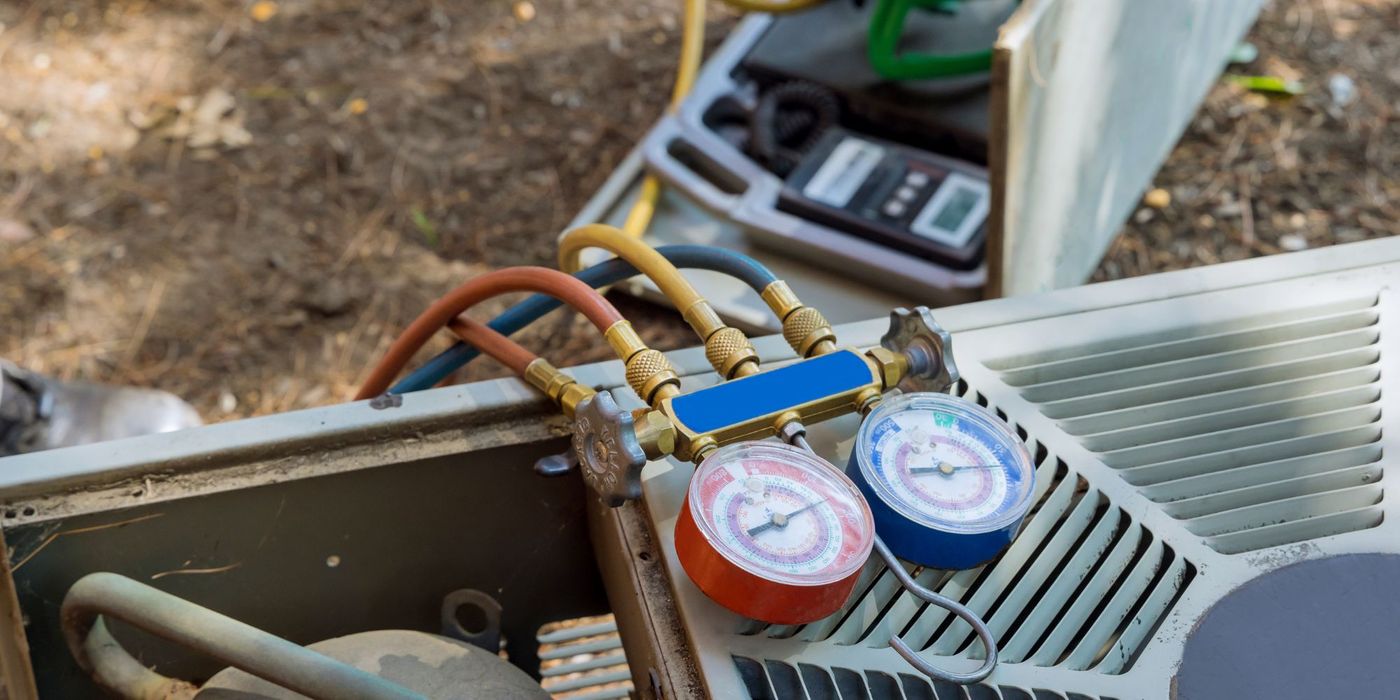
271 658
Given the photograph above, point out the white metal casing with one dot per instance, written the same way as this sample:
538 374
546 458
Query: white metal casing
1193 430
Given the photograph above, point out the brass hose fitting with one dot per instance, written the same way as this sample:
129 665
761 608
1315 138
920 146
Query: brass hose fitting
726 347
805 329
655 432
559 387
649 373
729 352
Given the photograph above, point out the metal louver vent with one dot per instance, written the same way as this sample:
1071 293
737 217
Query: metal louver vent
1255 433
582 659
1083 586
776 680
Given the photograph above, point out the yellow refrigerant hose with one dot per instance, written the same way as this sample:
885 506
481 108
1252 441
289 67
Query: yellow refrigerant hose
727 348
692 51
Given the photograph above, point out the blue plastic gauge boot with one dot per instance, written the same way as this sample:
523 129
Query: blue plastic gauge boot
948 482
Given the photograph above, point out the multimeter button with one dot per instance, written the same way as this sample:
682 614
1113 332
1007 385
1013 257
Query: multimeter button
906 194
916 178
894 208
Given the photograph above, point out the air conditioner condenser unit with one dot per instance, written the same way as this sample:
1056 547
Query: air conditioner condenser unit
1209 513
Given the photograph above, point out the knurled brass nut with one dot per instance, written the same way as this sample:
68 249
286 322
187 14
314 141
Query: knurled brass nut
805 328
642 365
655 383
727 349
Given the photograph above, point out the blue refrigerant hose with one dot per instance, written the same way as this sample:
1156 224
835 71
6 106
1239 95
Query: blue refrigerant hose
698 257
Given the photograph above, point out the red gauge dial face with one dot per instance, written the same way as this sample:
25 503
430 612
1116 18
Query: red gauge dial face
781 514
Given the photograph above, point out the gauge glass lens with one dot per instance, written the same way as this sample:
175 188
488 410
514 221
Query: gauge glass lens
945 462
781 513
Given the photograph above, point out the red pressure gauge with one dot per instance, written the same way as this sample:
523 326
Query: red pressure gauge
773 533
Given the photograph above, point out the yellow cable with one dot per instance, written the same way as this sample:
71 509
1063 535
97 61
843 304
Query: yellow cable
639 216
642 256
773 6
692 51
726 347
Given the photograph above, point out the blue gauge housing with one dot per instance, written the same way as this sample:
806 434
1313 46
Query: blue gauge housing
943 537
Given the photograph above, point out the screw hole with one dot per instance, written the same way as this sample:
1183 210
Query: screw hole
471 618
27 511
644 556
11 514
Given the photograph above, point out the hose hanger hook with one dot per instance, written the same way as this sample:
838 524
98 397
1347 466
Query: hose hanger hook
958 609
796 434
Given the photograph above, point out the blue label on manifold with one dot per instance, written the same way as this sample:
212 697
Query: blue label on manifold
772 391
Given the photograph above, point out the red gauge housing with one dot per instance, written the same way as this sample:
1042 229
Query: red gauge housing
773 533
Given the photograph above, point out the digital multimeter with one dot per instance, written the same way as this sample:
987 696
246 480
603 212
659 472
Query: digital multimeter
910 200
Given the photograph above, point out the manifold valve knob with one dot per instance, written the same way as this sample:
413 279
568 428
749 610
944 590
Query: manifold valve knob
610 455
929 348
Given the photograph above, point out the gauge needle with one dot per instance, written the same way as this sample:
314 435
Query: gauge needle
946 468
780 520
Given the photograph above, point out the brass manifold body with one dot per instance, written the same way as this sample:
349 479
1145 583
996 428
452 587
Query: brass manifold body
693 443
612 445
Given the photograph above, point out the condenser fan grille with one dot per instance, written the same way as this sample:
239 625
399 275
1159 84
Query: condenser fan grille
1258 434
1184 446
776 680
1082 587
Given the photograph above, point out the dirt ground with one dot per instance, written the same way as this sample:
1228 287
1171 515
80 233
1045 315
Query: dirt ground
242 203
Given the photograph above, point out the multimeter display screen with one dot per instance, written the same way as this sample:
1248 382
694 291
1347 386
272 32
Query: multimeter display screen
959 205
910 200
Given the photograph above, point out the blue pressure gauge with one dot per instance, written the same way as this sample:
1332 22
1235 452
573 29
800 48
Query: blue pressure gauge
948 482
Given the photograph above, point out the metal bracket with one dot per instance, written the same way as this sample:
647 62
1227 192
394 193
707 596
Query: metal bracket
557 465
609 453
914 334
489 636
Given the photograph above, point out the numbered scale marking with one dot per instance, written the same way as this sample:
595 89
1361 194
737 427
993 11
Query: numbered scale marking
948 482
773 533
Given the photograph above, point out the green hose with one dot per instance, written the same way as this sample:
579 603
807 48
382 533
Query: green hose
886 28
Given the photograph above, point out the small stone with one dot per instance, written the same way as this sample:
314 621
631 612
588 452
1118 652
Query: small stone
227 401
1244 52
329 299
1297 220
1228 210
1157 198
1342 88
1292 242
524 11
1143 215
12 231
357 106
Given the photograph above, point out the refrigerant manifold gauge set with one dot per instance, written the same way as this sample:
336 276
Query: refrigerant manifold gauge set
769 529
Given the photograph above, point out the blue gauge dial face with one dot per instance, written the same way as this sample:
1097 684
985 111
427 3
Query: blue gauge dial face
946 465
